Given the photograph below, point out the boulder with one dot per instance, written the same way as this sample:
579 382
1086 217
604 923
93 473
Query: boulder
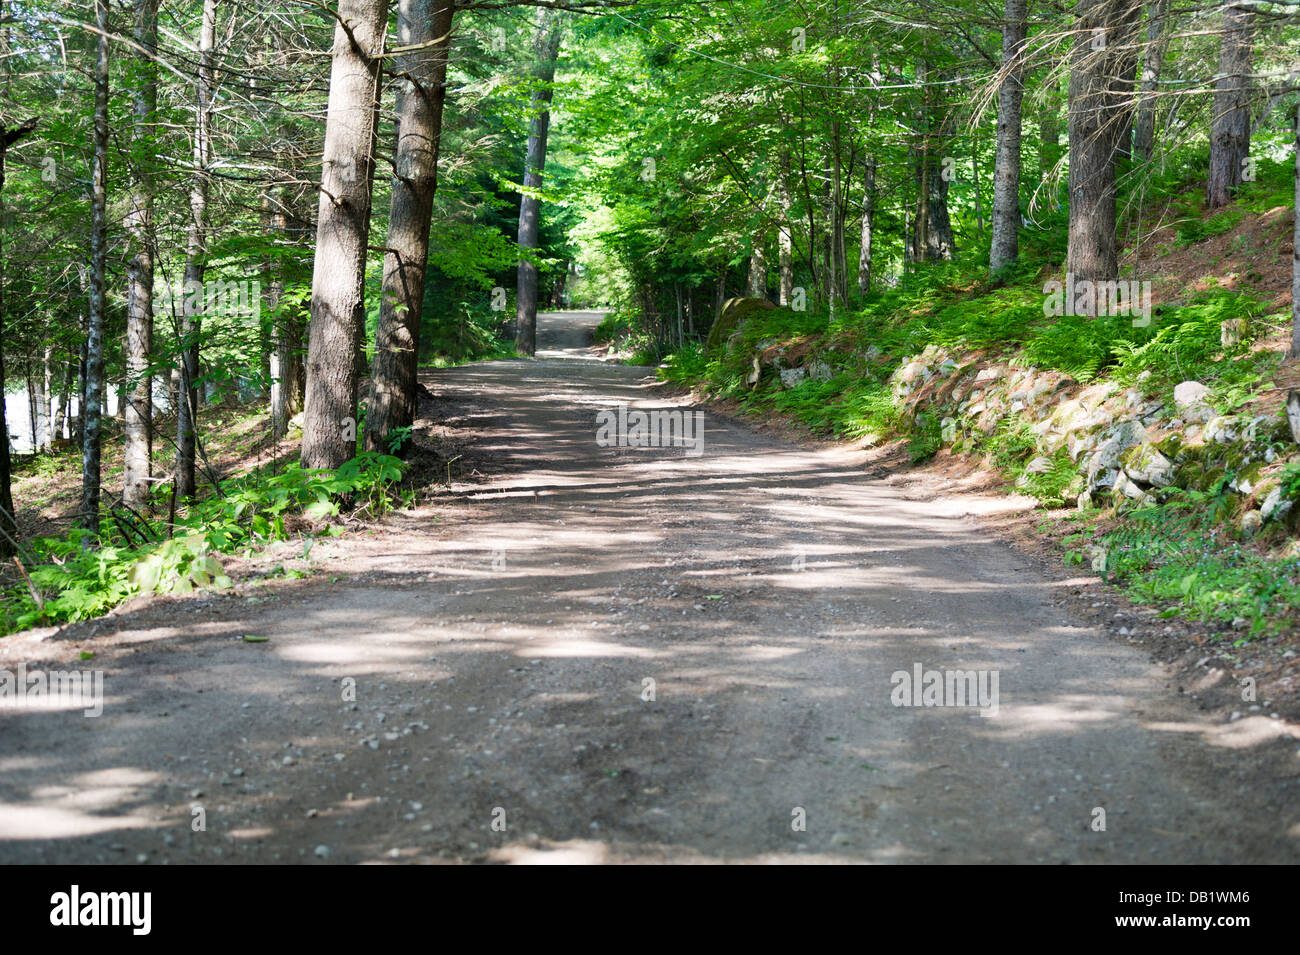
1190 394
1144 464
1119 439
819 370
790 377
733 312
1275 507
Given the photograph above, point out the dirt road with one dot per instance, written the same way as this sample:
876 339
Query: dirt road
500 649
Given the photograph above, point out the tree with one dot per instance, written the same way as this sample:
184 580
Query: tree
1295 248
138 413
342 233
424 27
1144 128
1230 125
8 526
547 49
94 377
1096 122
196 254
1006 167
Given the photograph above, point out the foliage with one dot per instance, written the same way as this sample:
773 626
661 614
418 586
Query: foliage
84 581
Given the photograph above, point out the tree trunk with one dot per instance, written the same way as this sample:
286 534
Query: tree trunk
1230 126
1049 131
1095 123
8 527
785 236
420 101
342 232
757 285
195 260
548 48
1144 132
64 403
44 415
1006 166
90 416
138 393
868 222
1295 249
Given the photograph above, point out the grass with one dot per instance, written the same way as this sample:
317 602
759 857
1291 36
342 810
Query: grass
1180 554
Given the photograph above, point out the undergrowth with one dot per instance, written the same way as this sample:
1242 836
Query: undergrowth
83 575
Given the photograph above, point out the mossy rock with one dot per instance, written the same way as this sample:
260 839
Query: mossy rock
734 312
1208 478
1172 448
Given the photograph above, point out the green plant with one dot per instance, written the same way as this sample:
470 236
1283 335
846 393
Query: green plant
82 580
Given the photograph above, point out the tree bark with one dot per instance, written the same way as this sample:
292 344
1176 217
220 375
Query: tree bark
1095 123
90 416
342 232
548 48
1153 57
7 524
757 285
420 101
1230 126
1005 247
44 411
868 224
195 259
138 393
784 236
1295 249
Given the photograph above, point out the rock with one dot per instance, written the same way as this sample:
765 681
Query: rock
1128 487
818 370
1275 507
1125 435
733 312
948 430
1251 522
1293 414
1189 394
1221 430
1146 465
792 376
1039 465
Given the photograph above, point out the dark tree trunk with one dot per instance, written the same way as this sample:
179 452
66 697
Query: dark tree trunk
419 128
1097 105
8 527
90 471
342 233
195 260
1230 126
548 48
1295 249
1006 166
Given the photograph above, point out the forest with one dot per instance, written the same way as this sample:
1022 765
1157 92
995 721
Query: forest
264 265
